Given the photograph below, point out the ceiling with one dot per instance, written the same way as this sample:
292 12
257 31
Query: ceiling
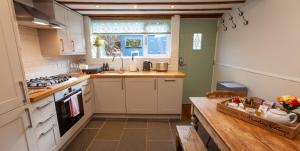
152 8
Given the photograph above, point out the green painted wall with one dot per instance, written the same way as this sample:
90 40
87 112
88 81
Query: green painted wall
199 63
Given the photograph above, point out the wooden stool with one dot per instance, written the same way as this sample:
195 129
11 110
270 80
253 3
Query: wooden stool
188 139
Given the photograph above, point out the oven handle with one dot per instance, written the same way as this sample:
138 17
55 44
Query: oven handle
69 98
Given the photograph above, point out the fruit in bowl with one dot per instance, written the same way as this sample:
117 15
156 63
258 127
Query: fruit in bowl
236 99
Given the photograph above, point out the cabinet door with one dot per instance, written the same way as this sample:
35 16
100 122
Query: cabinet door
75 24
141 95
169 95
15 131
12 91
64 41
109 95
60 13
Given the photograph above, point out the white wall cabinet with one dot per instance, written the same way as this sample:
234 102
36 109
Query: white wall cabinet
67 41
141 95
169 95
12 90
109 95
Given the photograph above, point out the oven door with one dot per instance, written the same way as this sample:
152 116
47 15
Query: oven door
65 120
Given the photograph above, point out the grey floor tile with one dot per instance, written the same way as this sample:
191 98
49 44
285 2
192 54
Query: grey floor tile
136 123
152 124
111 130
83 139
161 146
95 123
103 145
133 140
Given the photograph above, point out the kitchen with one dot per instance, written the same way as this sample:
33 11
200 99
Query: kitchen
149 75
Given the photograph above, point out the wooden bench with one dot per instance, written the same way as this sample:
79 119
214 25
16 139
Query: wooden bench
224 94
188 139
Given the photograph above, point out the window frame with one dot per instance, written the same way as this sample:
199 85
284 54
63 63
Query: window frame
201 40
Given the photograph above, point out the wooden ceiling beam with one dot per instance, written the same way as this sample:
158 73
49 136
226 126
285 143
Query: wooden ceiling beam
152 3
151 16
203 9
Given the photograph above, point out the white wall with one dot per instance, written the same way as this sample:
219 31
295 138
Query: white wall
36 65
264 55
173 60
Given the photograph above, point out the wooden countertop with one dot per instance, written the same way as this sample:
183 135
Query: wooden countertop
46 92
238 135
143 74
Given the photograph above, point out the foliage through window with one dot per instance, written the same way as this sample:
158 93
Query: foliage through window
142 38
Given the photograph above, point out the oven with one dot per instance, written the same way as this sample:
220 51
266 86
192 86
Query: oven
64 104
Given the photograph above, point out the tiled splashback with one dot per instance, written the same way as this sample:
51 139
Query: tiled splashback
36 65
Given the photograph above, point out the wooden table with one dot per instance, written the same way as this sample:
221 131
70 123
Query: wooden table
232 134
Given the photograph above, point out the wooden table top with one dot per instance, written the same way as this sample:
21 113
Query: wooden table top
239 135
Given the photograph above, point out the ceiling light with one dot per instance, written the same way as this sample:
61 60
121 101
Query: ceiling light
97 6
135 6
172 6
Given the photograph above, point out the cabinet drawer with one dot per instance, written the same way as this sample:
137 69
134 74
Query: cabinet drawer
43 109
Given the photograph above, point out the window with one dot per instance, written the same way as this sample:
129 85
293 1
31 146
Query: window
197 41
142 38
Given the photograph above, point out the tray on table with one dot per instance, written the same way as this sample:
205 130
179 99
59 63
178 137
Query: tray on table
289 131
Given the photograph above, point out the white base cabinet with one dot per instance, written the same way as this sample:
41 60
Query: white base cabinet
138 95
88 98
16 131
169 95
109 95
141 95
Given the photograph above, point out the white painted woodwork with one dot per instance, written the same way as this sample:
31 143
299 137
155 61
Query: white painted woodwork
12 93
60 14
141 95
109 95
169 95
15 134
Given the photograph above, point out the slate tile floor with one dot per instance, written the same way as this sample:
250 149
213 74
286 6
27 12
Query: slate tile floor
127 135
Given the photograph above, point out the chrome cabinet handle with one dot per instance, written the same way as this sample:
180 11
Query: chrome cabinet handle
44 121
87 93
43 106
122 83
29 118
73 44
155 84
46 132
170 80
21 84
62 44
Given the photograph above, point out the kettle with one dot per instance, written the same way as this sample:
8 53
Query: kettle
147 65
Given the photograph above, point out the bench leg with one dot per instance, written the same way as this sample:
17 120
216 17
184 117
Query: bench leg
178 146
194 119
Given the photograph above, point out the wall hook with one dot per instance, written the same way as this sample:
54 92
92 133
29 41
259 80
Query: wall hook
223 23
241 13
231 19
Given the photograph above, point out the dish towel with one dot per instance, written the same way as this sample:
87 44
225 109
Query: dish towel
74 107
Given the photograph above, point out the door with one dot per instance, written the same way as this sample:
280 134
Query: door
15 130
141 95
197 64
169 95
12 90
109 95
